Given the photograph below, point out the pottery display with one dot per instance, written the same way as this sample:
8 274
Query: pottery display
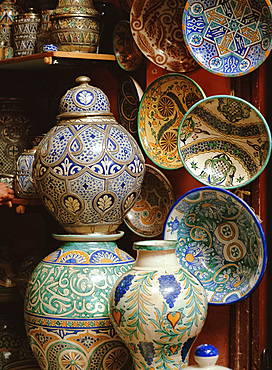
44 30
129 95
8 10
224 141
165 102
75 26
15 126
206 357
94 163
24 183
220 241
66 305
157 30
127 53
229 38
14 346
146 218
158 308
24 33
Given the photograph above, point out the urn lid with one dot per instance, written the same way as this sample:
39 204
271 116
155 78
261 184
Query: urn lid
84 100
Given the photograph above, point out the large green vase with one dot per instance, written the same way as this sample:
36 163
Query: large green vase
66 305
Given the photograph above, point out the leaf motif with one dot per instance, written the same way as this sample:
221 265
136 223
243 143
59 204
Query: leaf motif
85 97
104 202
72 204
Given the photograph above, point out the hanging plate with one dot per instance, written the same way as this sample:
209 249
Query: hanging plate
161 110
228 38
221 242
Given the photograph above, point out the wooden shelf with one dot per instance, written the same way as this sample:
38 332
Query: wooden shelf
53 58
27 201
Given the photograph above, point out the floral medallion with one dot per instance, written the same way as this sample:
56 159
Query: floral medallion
221 242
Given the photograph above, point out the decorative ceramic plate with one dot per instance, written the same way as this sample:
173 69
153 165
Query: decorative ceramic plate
128 101
228 38
128 56
157 30
221 242
147 216
224 141
161 110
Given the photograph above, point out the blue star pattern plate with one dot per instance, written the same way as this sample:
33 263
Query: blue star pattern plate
221 242
229 38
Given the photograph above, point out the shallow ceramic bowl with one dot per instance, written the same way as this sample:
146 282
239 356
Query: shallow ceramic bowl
146 218
221 242
224 141
127 53
156 27
229 39
161 110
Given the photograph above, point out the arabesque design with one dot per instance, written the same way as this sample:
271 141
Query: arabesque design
220 241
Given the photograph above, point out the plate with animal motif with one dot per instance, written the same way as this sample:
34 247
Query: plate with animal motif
147 216
220 241
228 38
163 105
156 27
127 53
224 141
129 94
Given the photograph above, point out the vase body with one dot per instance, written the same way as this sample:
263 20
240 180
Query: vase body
94 163
14 133
158 308
24 31
8 11
66 306
24 183
44 30
75 26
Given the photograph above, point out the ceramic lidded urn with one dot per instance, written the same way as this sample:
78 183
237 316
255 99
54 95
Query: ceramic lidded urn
75 26
88 169
8 11
158 308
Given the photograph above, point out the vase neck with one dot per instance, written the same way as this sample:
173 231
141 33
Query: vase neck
156 260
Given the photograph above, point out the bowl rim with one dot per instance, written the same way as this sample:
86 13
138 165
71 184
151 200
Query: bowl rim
263 121
257 222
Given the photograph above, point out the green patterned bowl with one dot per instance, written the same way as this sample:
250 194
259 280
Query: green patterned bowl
221 242
224 141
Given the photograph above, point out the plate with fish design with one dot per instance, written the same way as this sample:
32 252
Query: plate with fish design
220 241
163 105
224 141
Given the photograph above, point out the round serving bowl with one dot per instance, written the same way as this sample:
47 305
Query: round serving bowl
221 242
224 141
230 38
157 30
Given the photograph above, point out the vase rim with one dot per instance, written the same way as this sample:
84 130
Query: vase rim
95 237
155 245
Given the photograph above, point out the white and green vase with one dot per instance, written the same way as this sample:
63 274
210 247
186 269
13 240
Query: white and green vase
158 308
